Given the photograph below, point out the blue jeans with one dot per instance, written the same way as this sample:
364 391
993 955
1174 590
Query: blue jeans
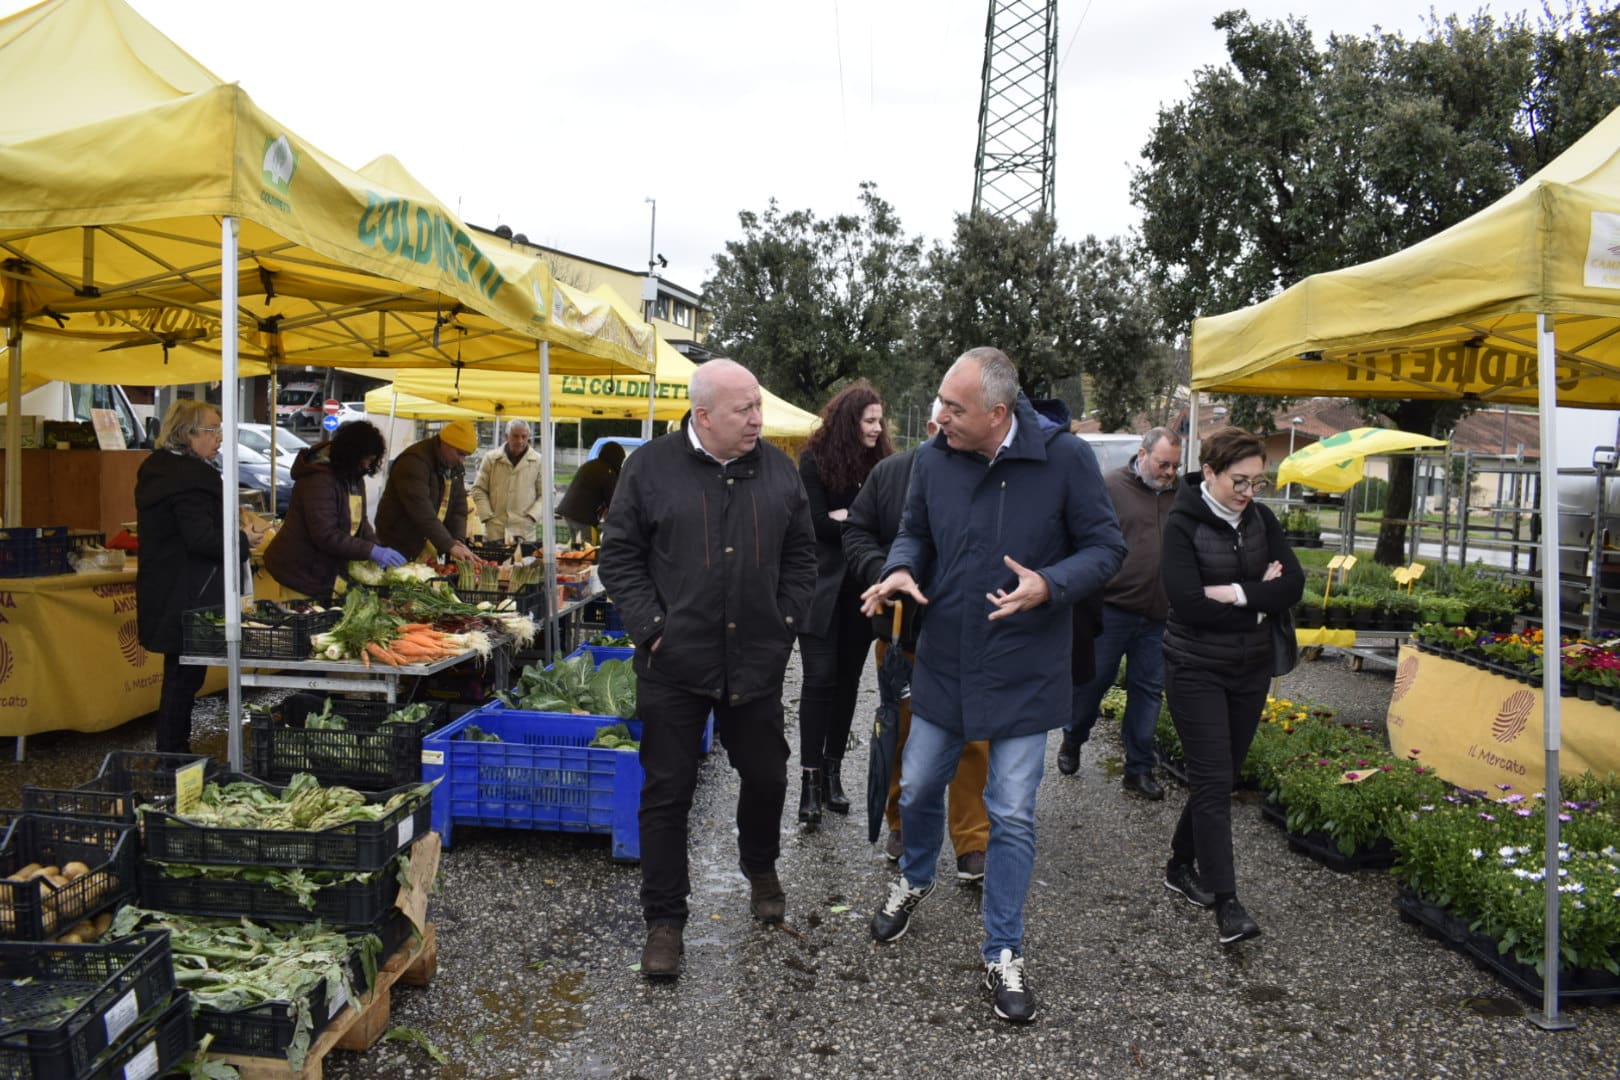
927 765
1139 640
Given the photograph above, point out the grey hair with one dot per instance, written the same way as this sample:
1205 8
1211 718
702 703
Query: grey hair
182 421
1151 438
700 390
515 424
998 379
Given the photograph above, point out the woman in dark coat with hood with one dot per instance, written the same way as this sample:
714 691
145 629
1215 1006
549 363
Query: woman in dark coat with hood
1227 572
326 526
180 523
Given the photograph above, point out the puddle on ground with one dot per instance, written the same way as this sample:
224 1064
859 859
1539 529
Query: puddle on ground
1494 1005
513 1016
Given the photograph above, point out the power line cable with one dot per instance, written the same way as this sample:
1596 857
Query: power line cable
1074 36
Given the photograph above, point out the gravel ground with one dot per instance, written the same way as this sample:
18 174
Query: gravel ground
538 935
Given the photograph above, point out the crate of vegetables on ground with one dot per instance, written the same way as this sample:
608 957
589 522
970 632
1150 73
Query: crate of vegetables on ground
66 1006
127 779
62 872
243 821
370 745
619 647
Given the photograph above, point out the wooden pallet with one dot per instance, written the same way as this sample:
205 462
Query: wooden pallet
357 1027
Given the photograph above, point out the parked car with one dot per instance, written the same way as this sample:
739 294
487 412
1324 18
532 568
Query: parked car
1113 450
256 437
253 473
629 442
352 410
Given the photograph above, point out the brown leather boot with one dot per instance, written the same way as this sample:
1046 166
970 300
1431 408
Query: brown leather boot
661 957
765 897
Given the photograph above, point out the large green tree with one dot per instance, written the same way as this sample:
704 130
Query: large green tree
1061 310
1294 158
810 303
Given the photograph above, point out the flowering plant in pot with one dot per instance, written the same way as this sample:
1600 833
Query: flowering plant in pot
1277 747
1483 860
1350 798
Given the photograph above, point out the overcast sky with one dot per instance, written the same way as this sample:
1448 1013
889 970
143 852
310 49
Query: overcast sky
560 118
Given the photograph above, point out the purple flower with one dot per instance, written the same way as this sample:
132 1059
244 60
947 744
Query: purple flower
1524 813
1485 817
1565 817
1512 799
1504 787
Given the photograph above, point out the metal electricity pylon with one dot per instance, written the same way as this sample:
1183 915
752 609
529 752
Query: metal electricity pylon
1017 156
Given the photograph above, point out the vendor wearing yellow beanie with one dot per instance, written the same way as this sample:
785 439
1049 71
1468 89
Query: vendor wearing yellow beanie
460 434
423 510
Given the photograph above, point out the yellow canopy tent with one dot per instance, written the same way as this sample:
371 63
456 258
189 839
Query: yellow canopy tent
430 394
1518 303
147 209
1337 462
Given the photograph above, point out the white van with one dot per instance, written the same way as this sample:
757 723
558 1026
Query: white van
300 406
73 401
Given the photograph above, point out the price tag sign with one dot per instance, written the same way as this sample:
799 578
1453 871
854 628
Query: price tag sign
188 785
124 1012
1402 575
144 1064
1416 570
433 757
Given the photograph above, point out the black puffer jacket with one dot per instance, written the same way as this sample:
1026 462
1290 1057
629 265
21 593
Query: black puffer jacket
318 537
717 561
1200 549
181 529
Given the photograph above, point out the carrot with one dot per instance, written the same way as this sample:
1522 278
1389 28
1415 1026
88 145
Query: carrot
382 654
415 627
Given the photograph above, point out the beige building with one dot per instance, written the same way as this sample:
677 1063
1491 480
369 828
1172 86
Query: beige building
677 313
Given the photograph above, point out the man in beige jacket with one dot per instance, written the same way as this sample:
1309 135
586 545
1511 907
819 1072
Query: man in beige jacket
508 493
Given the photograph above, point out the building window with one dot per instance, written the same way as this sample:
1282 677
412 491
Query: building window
661 308
683 315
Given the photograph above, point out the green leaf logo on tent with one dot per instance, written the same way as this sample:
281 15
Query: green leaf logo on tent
280 162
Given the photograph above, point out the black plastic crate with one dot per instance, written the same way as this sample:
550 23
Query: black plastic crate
128 778
157 1046
35 910
116 984
270 632
349 904
529 600
366 755
266 1029
35 551
359 846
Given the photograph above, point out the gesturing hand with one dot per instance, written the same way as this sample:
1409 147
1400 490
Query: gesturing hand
386 557
1031 591
874 600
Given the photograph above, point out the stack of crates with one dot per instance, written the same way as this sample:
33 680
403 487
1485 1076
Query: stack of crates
92 1012
372 753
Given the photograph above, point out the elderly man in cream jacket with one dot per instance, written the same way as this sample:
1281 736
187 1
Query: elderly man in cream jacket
508 493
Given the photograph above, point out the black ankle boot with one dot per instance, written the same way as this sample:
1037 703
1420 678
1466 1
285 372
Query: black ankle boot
810 797
832 787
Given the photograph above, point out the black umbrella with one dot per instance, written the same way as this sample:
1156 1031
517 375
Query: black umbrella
894 686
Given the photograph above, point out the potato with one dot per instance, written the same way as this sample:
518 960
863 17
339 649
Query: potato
70 939
25 872
75 870
103 922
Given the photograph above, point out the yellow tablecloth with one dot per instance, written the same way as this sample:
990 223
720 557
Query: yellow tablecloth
1479 729
1321 635
70 656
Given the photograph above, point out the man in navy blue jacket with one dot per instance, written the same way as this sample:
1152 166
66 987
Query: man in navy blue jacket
1006 526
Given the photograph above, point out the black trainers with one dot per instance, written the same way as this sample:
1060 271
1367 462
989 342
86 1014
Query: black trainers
1069 755
1004 978
893 847
970 867
1233 923
1182 878
894 917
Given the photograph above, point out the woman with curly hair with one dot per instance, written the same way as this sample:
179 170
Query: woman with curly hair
326 524
832 646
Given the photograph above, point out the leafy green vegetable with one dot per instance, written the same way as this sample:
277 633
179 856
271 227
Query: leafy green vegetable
302 805
416 1038
578 685
474 733
617 737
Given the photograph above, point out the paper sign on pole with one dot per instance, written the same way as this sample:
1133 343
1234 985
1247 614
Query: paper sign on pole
188 785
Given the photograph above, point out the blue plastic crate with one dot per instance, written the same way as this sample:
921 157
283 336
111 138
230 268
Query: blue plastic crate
615 652
541 775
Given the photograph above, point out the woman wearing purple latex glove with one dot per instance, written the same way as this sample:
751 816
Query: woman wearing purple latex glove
326 524
386 557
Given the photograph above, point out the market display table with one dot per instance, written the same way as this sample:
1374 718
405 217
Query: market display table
71 657
1479 729
352 675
